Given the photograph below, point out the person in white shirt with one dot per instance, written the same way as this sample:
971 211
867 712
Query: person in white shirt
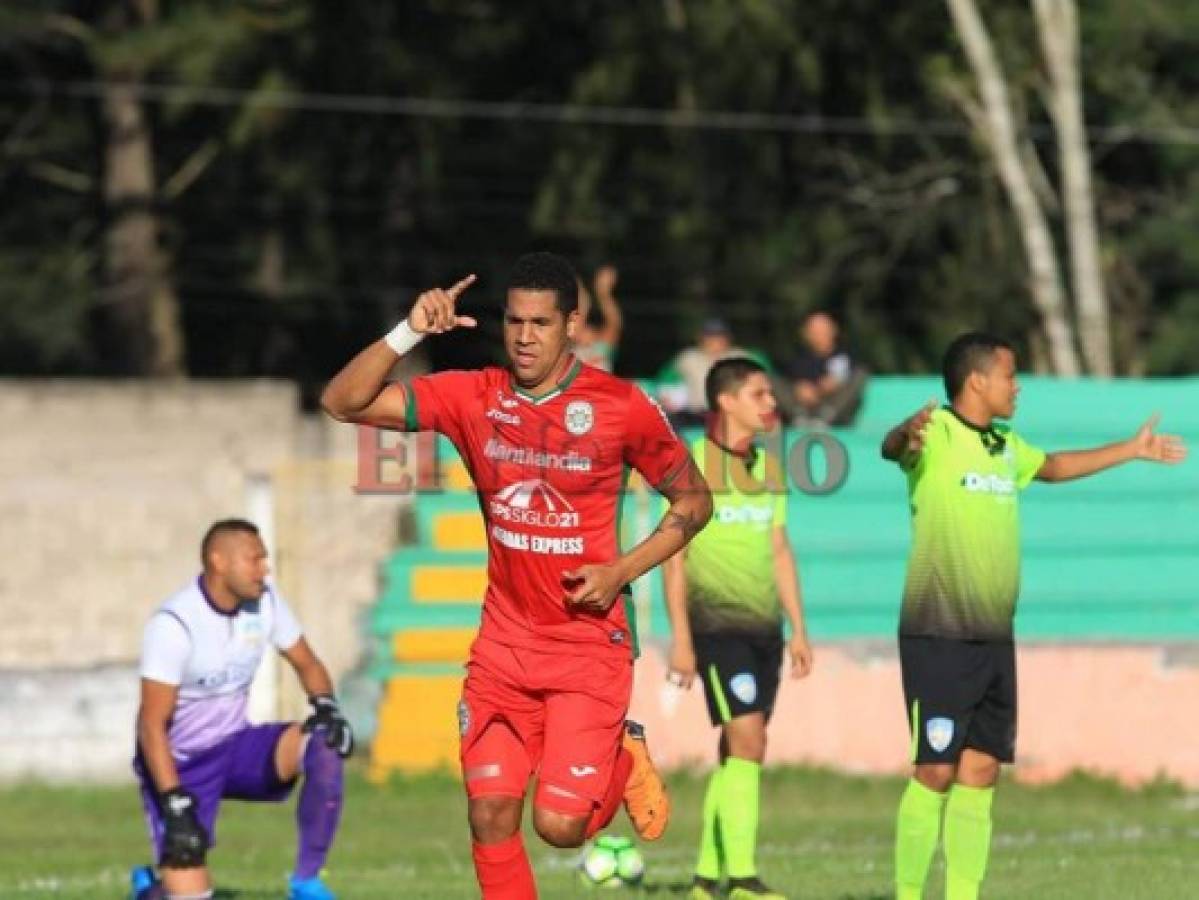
195 746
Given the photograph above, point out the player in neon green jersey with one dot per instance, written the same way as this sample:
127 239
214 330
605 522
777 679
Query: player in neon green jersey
964 471
726 596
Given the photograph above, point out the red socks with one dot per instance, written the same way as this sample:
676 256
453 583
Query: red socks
606 811
503 870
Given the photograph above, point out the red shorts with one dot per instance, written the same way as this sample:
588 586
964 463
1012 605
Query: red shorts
556 714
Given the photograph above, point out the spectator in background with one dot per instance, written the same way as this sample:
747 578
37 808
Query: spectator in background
681 381
826 382
596 345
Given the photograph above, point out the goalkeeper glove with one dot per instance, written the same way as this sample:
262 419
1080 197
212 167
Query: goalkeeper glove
185 841
326 716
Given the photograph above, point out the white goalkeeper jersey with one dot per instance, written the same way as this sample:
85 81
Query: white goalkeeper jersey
211 655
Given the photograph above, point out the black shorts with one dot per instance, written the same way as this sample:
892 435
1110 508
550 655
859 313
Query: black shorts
740 672
959 694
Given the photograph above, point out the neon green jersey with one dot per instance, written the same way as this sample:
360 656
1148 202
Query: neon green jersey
964 568
729 565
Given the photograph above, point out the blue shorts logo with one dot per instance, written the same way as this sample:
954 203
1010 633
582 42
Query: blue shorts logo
940 733
744 687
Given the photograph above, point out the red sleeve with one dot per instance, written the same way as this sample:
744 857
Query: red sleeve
436 402
651 446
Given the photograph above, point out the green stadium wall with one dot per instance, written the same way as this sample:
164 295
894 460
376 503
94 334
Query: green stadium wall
1109 612
1112 557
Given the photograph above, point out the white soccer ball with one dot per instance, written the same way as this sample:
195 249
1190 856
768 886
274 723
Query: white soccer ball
630 865
612 862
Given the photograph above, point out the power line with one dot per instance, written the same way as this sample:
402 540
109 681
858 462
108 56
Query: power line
576 114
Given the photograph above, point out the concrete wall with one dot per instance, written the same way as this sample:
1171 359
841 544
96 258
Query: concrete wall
108 486
107 489
1120 711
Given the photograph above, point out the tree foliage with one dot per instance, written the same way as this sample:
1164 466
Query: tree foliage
303 200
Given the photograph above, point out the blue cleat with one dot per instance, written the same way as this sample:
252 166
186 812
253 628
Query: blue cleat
141 880
308 889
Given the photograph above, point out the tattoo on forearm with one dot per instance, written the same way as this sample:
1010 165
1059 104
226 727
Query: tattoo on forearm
687 523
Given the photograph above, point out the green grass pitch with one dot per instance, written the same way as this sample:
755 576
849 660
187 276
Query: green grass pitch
823 836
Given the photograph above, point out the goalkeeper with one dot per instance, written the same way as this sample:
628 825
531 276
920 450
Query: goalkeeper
200 651
726 594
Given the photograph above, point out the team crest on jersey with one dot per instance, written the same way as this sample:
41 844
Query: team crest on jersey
248 629
579 417
463 718
744 687
939 731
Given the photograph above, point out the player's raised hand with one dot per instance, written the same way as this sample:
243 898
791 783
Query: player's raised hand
1163 448
605 279
593 588
915 425
435 310
801 655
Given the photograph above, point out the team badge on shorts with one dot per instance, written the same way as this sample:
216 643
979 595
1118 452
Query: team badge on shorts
579 417
939 731
463 718
744 687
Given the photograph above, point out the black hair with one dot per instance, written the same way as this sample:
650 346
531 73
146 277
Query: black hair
726 376
973 351
224 526
542 271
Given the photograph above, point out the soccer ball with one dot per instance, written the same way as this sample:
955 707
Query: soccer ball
612 862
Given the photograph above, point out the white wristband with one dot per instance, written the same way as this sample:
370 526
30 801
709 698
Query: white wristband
402 338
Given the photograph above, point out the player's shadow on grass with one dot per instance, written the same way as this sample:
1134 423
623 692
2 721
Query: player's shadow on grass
665 887
676 888
235 894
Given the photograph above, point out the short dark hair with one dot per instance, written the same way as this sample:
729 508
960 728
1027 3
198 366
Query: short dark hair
726 376
970 352
224 526
542 271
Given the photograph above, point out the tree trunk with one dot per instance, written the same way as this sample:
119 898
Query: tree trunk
995 122
139 289
1057 26
688 222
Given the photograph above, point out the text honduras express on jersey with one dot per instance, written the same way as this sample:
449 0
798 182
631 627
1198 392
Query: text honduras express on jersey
549 472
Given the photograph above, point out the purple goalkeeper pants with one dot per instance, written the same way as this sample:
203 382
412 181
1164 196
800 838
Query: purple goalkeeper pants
241 767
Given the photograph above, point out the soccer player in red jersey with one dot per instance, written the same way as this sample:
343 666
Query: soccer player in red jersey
547 441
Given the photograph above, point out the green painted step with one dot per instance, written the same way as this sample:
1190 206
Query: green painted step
390 618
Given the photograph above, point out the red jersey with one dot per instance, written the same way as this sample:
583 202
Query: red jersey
550 473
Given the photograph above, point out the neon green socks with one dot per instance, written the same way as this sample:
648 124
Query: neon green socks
916 834
738 812
967 840
711 854
730 824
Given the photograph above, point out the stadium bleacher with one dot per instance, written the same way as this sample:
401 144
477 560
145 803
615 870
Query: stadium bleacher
1108 559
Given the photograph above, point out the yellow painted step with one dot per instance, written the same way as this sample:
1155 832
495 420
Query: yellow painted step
448 584
418 726
459 531
456 477
433 645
